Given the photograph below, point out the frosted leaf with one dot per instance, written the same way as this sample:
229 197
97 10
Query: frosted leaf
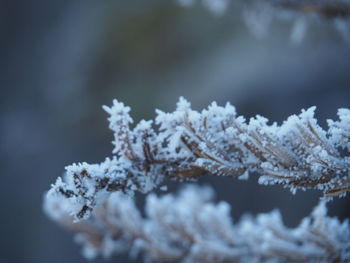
119 121
340 130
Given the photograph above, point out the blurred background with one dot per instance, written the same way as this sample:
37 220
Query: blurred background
61 60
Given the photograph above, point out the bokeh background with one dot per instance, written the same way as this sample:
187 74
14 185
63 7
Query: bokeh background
61 60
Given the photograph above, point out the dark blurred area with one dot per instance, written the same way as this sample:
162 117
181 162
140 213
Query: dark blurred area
61 60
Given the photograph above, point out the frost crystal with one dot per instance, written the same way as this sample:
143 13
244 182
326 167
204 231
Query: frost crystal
189 227
187 144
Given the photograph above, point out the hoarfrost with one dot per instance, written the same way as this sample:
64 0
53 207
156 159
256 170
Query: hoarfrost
298 154
189 227
95 200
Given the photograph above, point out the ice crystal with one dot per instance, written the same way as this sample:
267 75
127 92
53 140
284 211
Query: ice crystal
189 227
95 200
187 144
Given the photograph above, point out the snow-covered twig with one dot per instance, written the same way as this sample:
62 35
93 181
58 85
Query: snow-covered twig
187 144
191 228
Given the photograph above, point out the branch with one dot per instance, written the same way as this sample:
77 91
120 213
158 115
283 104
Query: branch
188 144
190 228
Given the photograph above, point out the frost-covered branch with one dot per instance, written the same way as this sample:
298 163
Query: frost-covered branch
187 144
191 228
258 14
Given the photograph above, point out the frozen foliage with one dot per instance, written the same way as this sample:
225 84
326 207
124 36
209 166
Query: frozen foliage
259 14
189 227
187 144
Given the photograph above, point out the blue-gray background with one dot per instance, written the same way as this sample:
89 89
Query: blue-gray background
61 60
